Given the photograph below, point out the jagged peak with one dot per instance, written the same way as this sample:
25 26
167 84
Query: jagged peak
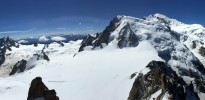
157 17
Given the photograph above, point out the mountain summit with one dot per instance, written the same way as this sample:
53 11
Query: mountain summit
124 29
178 44
171 39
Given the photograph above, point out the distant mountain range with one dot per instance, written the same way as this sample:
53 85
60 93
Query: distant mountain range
49 39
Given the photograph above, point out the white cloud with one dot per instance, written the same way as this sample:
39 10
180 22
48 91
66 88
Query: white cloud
58 38
43 39
22 41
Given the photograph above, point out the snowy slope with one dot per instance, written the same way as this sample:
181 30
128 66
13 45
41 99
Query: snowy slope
90 75
162 33
189 34
17 54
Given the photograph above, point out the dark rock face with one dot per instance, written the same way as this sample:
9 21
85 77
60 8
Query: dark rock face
19 67
42 55
193 44
199 65
61 44
202 51
100 38
35 44
138 89
164 67
104 36
127 38
200 85
165 54
45 56
8 42
162 77
2 55
133 75
87 41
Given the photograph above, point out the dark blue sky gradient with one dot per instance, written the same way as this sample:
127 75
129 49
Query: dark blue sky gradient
87 16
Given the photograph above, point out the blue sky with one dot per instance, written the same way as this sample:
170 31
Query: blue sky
33 17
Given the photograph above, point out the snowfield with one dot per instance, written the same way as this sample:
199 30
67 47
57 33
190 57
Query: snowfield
90 75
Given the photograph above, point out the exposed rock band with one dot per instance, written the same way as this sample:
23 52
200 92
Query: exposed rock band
39 91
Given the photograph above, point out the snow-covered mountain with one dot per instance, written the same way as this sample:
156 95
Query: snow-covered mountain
175 42
171 38
133 58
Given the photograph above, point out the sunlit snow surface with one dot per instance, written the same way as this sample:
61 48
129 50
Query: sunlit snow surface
90 75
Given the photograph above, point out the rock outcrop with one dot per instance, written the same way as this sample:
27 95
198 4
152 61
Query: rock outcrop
103 37
202 51
42 55
87 41
162 77
61 44
19 67
138 88
8 42
127 37
35 44
2 55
